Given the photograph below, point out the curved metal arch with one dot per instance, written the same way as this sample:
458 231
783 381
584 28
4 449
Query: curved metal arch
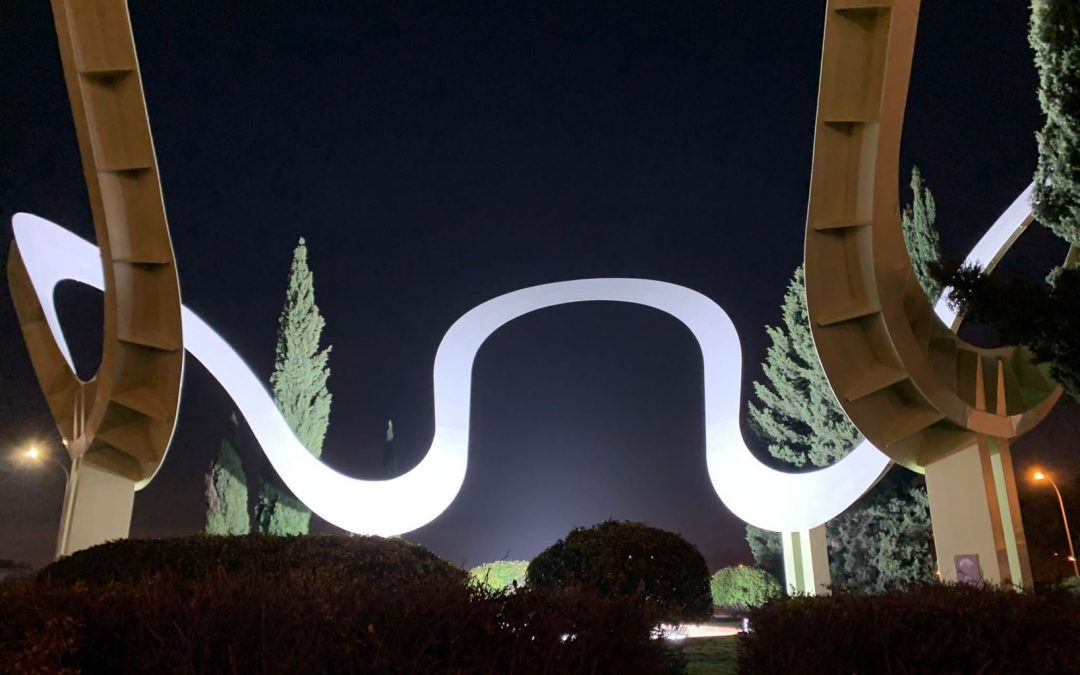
756 493
903 377
767 498
122 420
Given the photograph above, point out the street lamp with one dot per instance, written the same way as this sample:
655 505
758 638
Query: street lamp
34 454
1040 475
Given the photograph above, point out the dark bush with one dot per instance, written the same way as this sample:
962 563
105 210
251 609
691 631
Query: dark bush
255 623
374 558
660 570
318 605
933 628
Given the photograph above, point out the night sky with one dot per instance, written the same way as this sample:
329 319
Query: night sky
437 156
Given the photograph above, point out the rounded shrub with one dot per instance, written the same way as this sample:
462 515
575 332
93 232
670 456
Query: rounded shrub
500 574
741 587
386 561
657 569
925 628
331 622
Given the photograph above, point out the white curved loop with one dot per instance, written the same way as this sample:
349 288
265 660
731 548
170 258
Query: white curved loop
762 496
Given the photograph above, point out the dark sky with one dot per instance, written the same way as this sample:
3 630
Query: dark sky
435 157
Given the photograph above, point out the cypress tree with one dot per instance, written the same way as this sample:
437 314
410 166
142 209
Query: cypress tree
1055 38
796 410
767 550
921 235
226 488
298 384
882 541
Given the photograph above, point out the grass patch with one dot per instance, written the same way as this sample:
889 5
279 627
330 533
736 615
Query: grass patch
710 655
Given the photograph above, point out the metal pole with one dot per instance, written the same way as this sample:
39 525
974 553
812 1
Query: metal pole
1065 521
67 474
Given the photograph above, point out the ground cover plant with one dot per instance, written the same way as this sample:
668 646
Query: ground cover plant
660 570
931 628
710 655
192 615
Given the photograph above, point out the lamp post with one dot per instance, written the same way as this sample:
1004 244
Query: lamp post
1040 475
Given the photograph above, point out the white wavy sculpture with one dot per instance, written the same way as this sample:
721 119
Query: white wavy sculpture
762 496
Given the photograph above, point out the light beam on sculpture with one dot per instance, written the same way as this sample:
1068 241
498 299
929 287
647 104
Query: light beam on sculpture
756 493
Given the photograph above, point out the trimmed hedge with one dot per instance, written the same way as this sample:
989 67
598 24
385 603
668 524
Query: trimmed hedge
933 628
500 574
300 617
660 570
189 558
740 588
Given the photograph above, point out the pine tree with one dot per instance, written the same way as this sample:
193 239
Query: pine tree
1055 37
298 384
921 235
226 488
881 541
767 549
797 411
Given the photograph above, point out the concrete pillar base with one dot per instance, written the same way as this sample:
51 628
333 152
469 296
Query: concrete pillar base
97 508
978 533
806 562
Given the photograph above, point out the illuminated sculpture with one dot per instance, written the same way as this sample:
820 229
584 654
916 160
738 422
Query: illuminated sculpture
118 425
929 400
796 504
860 306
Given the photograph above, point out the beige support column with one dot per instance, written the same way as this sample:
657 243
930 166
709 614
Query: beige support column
978 532
806 562
97 508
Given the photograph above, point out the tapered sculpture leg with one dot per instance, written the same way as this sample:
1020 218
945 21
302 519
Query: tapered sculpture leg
978 533
97 508
806 562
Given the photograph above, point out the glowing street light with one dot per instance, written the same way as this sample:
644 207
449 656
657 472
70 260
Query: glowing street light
1039 476
34 454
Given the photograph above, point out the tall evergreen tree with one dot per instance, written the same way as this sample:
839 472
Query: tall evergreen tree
1055 37
921 235
881 541
298 384
796 410
226 488
767 550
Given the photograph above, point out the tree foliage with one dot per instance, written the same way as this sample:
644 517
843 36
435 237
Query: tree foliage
921 236
657 569
767 549
882 543
796 411
883 540
298 384
741 587
500 574
1040 316
1055 37
226 488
